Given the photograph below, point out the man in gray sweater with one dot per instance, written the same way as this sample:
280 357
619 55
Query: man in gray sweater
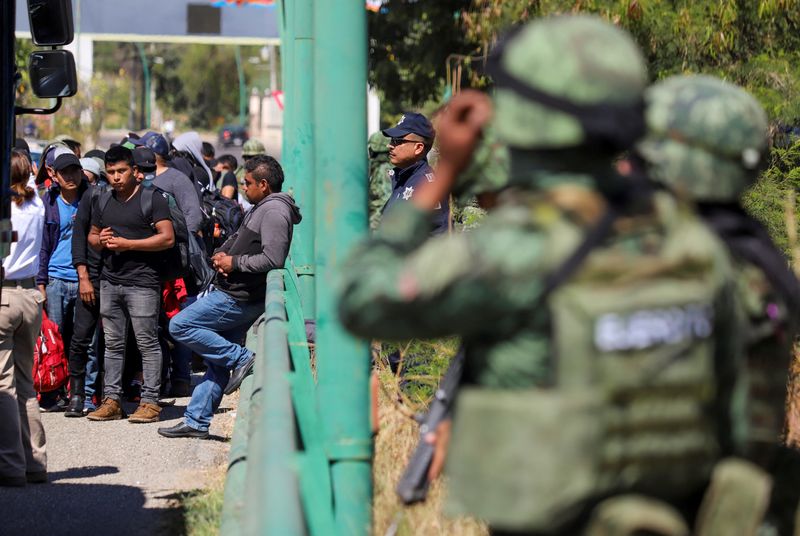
214 327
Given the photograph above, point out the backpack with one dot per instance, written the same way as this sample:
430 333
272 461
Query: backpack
183 260
50 366
224 216
768 298
632 403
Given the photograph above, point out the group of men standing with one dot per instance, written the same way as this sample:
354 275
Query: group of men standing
112 227
628 328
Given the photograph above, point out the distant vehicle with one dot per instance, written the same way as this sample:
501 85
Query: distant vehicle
36 147
233 135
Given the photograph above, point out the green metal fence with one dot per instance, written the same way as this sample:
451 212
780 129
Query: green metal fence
278 478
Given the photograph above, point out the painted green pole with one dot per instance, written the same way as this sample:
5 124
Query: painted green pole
343 365
301 149
237 53
146 76
287 75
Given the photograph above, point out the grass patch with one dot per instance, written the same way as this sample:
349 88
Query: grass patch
202 509
424 362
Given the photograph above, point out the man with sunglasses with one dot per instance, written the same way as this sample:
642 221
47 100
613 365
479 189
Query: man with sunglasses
411 140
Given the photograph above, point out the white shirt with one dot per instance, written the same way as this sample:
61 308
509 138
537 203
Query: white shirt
28 221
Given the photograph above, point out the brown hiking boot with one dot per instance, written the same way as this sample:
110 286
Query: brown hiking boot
146 412
109 410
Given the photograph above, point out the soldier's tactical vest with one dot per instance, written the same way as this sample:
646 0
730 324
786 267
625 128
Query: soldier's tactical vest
632 406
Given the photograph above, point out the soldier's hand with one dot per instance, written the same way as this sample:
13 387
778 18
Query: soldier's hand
441 439
460 127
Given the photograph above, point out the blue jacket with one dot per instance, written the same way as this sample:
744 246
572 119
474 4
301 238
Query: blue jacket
407 181
52 229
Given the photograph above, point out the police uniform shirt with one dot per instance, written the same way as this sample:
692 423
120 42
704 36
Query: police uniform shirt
407 182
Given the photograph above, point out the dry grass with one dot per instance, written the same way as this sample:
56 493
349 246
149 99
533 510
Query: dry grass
394 444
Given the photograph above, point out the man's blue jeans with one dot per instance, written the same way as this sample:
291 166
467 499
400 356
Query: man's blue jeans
181 354
214 328
61 296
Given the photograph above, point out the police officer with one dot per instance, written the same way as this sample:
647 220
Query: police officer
588 314
707 140
410 141
380 182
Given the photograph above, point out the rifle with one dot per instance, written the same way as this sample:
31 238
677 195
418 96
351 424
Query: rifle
413 485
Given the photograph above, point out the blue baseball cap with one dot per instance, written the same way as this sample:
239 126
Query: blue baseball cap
157 143
411 123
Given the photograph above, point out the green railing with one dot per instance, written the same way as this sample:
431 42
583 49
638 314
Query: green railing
278 478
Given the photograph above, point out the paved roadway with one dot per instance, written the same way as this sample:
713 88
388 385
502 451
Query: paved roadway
115 478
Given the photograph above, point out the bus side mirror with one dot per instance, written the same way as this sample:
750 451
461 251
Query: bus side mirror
51 22
53 74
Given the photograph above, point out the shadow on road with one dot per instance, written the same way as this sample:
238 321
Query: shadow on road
111 509
88 471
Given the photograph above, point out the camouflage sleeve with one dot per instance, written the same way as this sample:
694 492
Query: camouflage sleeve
401 284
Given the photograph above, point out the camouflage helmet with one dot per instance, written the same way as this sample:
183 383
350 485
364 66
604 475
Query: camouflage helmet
253 147
706 137
568 81
489 170
377 145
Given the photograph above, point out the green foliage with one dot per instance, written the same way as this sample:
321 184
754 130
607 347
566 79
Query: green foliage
422 364
766 200
409 42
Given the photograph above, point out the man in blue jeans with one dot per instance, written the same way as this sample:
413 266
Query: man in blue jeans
214 326
57 279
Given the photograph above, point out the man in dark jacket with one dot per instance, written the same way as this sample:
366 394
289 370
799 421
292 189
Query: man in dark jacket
410 141
214 326
84 361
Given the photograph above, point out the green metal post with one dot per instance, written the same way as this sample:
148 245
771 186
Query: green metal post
146 76
287 75
340 131
300 150
237 53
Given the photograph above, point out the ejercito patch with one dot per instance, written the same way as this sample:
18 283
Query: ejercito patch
638 330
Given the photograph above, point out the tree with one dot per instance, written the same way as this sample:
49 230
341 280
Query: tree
409 43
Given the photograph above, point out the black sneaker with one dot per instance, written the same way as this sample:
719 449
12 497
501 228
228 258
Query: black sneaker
75 407
58 405
182 430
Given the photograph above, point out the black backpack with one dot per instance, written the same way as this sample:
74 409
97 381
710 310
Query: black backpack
223 218
186 259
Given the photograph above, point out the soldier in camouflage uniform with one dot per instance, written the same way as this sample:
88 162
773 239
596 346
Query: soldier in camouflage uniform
380 181
707 140
602 384
251 148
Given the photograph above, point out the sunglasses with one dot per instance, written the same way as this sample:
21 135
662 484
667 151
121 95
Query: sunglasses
394 142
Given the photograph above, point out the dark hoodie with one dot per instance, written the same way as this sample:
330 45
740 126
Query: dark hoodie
261 244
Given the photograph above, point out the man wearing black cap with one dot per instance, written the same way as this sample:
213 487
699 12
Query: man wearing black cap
57 279
411 140
182 188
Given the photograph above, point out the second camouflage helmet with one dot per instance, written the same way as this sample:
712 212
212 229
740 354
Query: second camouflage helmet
378 145
253 147
568 81
706 137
